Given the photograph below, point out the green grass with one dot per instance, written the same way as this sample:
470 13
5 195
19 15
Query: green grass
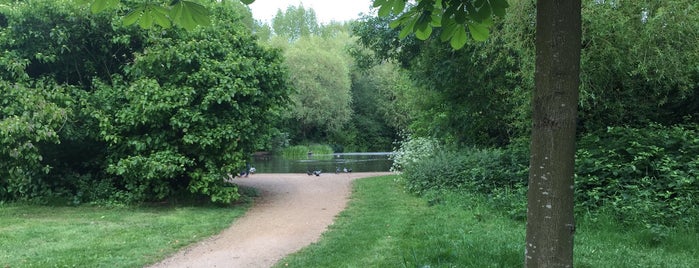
386 227
90 236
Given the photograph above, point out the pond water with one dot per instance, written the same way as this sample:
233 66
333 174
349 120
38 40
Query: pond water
357 162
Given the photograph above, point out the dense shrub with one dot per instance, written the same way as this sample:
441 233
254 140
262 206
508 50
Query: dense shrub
30 117
412 151
642 175
93 110
480 170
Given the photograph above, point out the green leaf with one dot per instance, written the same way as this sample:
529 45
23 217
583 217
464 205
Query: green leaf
436 20
479 32
499 7
189 14
147 15
407 29
378 3
460 16
101 5
483 13
448 30
395 23
423 34
398 6
247 2
458 40
384 10
160 17
133 16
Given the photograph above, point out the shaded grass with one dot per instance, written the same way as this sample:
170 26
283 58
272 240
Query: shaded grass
386 227
90 236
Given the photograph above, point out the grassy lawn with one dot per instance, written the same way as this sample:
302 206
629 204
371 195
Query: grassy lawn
385 227
90 236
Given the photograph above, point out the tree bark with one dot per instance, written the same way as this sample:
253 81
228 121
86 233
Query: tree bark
550 217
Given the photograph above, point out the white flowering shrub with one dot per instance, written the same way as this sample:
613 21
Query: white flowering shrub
412 150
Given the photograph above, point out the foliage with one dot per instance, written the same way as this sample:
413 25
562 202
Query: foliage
191 110
458 18
475 170
471 96
377 114
30 116
295 22
640 67
187 14
643 175
412 151
319 70
143 115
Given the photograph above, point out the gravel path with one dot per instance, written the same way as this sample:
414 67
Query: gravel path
292 212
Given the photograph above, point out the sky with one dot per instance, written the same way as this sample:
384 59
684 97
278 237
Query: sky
326 10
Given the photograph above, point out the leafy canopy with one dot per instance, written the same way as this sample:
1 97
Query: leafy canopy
457 18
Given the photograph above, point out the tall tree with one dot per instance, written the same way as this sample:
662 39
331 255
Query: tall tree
550 220
550 217
295 22
320 72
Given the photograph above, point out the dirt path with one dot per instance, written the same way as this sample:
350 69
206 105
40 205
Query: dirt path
292 212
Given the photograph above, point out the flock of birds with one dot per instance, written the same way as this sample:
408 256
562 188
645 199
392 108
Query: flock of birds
317 172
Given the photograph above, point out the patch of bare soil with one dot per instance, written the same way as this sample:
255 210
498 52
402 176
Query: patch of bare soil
291 213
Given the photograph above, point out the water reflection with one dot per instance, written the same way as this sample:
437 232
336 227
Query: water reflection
329 163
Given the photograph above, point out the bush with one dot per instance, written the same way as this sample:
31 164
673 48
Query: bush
479 170
412 150
648 175
31 116
89 107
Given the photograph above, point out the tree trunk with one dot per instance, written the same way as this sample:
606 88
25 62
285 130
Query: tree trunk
550 218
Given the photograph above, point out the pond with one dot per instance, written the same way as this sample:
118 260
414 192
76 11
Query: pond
328 163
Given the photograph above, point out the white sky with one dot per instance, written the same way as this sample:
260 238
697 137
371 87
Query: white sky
326 10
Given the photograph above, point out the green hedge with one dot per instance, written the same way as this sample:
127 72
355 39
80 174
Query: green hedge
649 175
644 176
481 170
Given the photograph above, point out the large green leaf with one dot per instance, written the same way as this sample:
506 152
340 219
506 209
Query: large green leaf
147 15
384 10
479 32
378 3
398 6
247 2
189 14
458 40
101 5
448 30
424 33
133 16
499 7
